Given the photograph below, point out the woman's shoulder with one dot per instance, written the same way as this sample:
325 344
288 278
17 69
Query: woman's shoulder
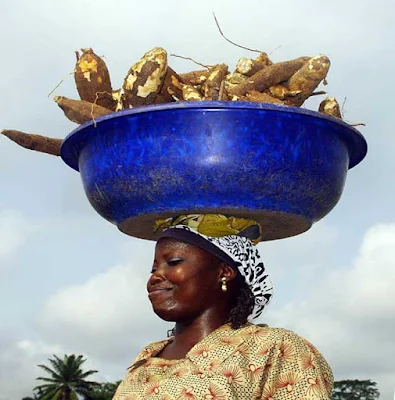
264 330
285 344
262 334
285 355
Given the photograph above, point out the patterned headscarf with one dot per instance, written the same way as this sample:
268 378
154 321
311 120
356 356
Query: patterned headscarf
241 253
216 225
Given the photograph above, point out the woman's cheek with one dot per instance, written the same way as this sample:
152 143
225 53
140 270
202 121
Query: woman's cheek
177 275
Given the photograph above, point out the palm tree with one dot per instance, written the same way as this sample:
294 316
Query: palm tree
67 379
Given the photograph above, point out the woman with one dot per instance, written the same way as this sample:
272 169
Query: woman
209 286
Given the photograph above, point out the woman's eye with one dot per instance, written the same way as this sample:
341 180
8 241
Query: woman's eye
175 261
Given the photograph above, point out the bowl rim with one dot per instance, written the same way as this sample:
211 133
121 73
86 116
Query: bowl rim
355 141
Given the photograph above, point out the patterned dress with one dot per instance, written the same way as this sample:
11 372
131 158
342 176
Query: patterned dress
253 362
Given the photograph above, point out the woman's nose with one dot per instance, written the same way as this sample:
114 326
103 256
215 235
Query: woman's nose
156 277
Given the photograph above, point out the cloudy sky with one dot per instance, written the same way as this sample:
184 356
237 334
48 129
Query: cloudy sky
70 282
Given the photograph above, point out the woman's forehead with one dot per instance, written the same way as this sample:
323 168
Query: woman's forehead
170 241
168 244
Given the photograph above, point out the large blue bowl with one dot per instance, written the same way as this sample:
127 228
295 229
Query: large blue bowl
282 166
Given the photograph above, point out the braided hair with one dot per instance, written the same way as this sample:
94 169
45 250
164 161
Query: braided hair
243 304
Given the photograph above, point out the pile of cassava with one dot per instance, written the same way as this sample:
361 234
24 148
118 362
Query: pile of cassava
152 81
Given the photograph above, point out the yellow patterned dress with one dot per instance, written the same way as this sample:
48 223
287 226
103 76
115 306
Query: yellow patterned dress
253 362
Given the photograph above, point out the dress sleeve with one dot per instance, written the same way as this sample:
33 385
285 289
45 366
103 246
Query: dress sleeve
119 392
296 370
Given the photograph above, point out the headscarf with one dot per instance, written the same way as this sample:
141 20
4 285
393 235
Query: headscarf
237 251
215 225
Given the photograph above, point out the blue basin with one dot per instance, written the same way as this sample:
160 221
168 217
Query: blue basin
282 166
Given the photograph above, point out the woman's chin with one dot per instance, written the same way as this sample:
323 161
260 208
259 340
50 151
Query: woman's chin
169 314
165 314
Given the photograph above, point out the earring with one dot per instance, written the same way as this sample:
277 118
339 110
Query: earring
223 286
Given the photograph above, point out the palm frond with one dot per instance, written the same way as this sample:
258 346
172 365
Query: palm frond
40 378
45 387
51 372
87 373
51 395
57 359
47 369
80 359
57 364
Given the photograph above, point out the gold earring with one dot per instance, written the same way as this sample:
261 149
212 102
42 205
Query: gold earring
223 286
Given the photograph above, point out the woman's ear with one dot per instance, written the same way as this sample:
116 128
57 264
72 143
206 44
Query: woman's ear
227 271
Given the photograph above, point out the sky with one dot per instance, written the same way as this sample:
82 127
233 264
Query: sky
70 282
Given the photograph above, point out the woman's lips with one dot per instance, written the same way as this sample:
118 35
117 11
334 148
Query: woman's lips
155 293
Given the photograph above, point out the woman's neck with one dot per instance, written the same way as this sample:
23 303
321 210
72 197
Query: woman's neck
189 333
197 329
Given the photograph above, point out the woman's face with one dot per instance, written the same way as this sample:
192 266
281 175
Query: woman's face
185 280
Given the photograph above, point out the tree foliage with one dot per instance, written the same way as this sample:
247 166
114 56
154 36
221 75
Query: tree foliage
104 391
355 390
66 379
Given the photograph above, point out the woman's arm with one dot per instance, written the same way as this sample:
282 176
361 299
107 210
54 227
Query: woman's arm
296 370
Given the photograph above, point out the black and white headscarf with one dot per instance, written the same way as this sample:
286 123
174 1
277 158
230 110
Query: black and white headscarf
246 258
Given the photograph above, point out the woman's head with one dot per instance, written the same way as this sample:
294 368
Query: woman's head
188 272
186 281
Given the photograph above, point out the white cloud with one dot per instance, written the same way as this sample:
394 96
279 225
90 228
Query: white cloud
99 304
349 313
108 317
